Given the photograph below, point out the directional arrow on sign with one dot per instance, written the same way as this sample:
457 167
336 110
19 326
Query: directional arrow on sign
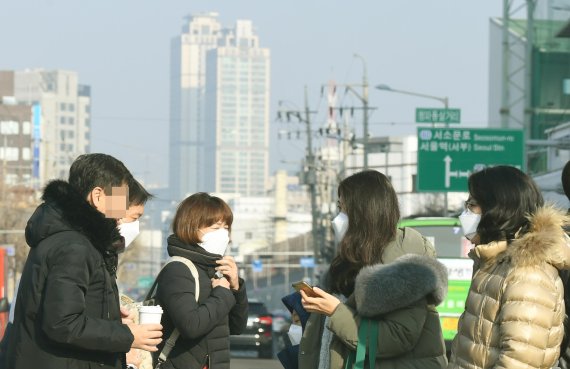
449 173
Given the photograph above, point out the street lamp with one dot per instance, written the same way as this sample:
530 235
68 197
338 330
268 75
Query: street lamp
443 100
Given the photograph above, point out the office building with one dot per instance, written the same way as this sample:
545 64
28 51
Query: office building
64 117
219 121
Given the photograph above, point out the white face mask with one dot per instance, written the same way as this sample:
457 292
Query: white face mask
216 242
469 222
295 333
129 231
340 226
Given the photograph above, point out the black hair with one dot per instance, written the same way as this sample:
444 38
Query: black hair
506 196
566 179
97 170
138 195
371 204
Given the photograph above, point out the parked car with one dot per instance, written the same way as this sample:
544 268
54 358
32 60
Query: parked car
258 335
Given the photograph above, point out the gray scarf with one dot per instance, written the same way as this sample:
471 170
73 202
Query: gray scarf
325 352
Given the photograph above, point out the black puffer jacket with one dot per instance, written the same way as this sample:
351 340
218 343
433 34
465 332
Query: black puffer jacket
204 326
67 310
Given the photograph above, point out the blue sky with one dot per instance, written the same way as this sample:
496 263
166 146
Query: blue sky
121 49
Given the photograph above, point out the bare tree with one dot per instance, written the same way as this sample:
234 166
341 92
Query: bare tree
17 203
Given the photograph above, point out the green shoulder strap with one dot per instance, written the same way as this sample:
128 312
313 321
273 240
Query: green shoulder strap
368 328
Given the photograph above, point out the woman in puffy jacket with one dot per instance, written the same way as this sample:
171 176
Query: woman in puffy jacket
201 226
514 311
382 273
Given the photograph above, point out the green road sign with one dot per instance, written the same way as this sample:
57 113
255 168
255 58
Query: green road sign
447 156
459 273
436 115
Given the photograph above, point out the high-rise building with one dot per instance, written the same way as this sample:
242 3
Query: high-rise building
219 128
64 124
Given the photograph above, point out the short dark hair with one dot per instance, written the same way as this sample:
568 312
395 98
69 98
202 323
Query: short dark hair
566 179
371 204
197 211
138 195
507 196
97 170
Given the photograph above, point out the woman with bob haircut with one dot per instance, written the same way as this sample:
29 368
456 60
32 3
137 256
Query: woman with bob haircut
201 227
380 272
514 311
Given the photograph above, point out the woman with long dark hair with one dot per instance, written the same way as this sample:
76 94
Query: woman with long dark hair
382 273
514 311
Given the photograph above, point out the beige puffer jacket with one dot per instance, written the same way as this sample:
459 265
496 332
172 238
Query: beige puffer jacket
515 309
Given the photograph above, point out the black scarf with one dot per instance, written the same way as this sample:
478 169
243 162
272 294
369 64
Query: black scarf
193 252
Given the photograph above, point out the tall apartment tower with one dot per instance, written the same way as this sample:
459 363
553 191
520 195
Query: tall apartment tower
65 117
219 120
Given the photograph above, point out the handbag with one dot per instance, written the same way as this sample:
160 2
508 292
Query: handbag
367 338
151 300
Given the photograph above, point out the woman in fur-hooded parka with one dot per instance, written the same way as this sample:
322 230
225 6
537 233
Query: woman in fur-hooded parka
514 312
400 294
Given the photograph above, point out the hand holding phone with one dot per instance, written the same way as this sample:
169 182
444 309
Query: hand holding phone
304 286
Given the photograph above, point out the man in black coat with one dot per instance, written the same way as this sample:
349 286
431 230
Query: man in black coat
67 313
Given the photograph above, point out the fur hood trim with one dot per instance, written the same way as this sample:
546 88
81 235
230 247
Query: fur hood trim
383 288
546 241
64 210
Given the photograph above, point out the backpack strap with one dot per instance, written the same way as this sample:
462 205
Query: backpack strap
367 338
175 333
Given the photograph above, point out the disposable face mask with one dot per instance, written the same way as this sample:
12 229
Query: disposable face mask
340 226
129 231
295 333
469 222
216 242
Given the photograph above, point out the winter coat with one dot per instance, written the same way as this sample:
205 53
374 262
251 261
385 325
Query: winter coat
67 313
289 356
564 360
399 295
205 326
514 311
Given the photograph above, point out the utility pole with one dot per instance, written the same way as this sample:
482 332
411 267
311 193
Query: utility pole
364 99
312 181
304 116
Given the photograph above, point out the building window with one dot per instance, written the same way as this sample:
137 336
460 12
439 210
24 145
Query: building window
9 153
9 127
26 128
62 106
71 107
248 235
26 153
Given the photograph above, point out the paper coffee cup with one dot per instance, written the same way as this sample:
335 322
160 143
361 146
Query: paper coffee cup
150 314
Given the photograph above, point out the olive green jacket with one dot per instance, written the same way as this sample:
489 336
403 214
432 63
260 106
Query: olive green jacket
400 295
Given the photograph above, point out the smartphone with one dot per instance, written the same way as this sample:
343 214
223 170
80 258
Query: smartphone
302 285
